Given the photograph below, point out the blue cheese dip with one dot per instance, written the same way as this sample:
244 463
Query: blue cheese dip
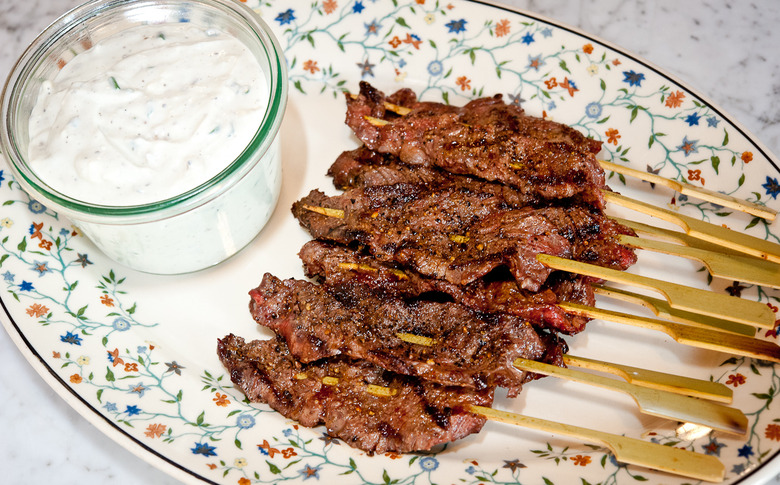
146 114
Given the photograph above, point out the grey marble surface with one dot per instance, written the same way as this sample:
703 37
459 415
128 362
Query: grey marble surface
725 50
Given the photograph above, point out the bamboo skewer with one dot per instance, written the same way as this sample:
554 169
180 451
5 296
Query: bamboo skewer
625 450
637 376
714 391
661 308
713 233
694 191
654 402
719 235
325 211
679 296
629 450
683 188
696 337
397 109
735 268
681 238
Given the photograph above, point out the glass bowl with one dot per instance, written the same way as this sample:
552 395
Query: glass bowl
188 231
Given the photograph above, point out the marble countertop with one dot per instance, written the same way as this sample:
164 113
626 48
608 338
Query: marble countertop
724 50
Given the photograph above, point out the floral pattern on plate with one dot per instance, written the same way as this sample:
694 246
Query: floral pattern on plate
113 343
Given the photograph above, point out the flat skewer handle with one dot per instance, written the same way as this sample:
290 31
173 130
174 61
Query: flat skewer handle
760 248
626 450
686 335
678 237
679 296
653 402
730 267
694 191
661 308
641 377
714 391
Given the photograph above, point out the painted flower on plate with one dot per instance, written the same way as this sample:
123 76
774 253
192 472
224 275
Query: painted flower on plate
693 119
613 135
746 451
513 465
285 17
515 99
139 389
155 430
435 68
329 6
41 267
503 27
245 421
456 26
37 310
174 367
36 207
308 472
429 463
688 146
535 62
772 187
633 78
204 449
82 260
713 447
71 338
121 324
366 68
593 110
372 28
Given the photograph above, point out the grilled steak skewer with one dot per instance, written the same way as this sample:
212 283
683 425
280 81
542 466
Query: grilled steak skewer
429 272
460 235
463 347
341 266
486 138
419 416
365 168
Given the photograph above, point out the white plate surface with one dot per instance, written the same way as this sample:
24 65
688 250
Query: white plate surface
135 353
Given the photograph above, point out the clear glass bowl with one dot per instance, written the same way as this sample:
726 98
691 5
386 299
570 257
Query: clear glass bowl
190 231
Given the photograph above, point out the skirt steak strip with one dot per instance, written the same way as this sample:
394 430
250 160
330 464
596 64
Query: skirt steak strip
419 416
465 348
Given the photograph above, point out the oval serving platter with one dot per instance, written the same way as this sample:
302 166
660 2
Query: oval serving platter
135 353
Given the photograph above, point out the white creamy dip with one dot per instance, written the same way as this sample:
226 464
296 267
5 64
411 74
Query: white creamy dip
146 114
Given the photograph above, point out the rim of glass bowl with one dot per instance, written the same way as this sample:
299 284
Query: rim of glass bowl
212 188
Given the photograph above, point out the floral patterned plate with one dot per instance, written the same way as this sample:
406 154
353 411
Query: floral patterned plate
136 352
